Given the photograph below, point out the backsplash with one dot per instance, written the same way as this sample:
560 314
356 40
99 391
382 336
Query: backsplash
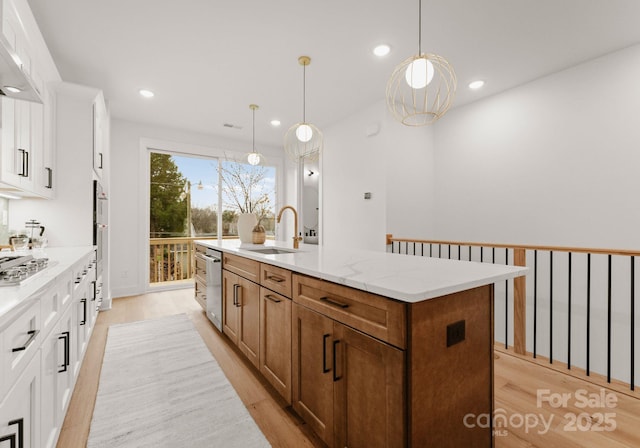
4 221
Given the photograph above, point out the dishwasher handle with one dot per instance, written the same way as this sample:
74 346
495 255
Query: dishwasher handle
208 258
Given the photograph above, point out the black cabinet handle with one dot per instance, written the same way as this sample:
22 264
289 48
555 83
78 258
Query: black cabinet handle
65 336
22 172
11 438
33 334
25 162
334 302
335 366
20 423
272 298
95 291
324 354
84 315
49 177
100 165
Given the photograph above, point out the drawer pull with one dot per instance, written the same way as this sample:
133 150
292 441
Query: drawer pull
273 278
33 334
334 302
273 299
324 353
236 299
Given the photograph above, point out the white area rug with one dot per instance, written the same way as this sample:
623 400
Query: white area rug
161 387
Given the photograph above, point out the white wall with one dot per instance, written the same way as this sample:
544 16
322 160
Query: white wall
128 224
394 164
551 162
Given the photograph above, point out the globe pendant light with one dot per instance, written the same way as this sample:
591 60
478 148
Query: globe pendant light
422 87
253 157
303 140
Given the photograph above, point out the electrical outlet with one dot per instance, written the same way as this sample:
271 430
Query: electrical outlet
455 333
124 274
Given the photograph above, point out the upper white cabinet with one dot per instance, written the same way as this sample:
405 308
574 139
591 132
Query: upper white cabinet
27 156
100 134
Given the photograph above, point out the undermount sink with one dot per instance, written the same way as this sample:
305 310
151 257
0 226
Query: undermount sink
273 251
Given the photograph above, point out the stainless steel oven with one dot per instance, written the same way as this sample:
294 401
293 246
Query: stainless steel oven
213 293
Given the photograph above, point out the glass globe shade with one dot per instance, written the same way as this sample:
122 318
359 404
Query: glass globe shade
304 133
419 73
253 158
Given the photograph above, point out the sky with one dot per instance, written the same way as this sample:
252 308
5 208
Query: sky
203 170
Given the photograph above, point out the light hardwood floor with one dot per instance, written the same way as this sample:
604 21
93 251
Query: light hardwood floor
517 385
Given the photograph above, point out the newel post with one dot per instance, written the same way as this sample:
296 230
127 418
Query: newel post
520 304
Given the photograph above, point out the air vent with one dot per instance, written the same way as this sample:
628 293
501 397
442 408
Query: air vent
231 125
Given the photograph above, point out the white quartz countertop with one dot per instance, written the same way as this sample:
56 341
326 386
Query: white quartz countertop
407 278
60 259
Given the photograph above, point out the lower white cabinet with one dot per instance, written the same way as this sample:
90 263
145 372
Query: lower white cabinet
51 334
57 378
20 410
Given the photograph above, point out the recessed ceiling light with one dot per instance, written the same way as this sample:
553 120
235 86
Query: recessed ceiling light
12 89
476 84
275 123
146 93
382 50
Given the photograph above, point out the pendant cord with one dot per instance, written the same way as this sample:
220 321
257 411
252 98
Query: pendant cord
419 27
304 93
253 138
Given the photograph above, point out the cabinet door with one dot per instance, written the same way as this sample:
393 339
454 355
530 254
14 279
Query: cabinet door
64 376
12 159
313 370
249 308
368 391
80 321
275 341
55 364
230 321
20 411
24 144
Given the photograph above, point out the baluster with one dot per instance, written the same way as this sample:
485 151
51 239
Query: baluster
551 307
588 311
506 304
609 320
535 302
633 322
569 319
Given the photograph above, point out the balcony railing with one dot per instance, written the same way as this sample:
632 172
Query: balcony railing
574 311
172 259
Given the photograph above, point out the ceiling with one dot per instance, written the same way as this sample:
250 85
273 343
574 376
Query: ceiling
207 60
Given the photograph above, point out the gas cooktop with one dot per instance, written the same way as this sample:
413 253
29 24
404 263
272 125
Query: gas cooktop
15 269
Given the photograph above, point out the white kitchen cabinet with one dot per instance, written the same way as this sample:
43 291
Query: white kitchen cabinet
57 379
42 125
99 113
20 341
83 304
20 410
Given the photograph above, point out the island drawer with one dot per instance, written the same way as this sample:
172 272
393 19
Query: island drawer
201 293
244 267
276 279
201 269
374 315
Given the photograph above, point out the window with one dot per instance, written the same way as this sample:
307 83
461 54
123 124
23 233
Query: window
193 197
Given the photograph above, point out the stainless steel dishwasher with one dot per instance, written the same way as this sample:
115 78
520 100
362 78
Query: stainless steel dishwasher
213 259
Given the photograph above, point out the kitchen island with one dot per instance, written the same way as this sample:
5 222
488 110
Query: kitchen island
370 348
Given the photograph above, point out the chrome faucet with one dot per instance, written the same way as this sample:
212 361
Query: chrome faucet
296 238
